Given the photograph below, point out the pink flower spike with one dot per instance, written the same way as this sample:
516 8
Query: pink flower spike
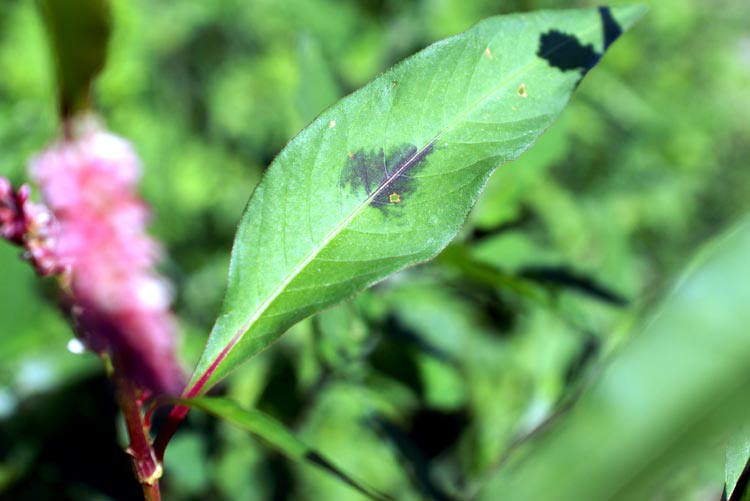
121 306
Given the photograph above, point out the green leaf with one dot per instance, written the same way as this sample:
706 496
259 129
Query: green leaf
277 435
385 178
79 32
738 456
663 404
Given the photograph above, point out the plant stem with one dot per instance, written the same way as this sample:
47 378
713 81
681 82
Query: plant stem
178 412
177 415
146 466
151 492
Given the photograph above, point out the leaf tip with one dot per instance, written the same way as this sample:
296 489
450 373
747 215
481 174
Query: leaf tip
629 14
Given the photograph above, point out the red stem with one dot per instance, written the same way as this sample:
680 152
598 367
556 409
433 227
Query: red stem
176 415
147 468
178 412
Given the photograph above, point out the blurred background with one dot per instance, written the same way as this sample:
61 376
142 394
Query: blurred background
424 384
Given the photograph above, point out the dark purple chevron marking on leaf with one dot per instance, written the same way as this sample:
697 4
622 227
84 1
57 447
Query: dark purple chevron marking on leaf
565 52
387 178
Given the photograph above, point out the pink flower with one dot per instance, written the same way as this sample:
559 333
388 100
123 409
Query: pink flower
94 236
12 221
29 225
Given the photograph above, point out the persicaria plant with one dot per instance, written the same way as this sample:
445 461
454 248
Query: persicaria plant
378 182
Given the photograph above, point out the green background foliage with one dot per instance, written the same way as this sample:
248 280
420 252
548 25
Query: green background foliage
425 384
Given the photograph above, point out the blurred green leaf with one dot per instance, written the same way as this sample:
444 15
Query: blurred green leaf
663 401
79 34
385 178
276 435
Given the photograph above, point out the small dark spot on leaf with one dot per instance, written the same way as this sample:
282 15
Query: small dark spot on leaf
387 179
566 52
610 27
522 90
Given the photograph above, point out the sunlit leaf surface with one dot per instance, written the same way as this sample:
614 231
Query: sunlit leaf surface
384 179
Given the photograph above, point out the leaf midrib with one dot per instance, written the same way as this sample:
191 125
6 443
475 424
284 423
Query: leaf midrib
245 327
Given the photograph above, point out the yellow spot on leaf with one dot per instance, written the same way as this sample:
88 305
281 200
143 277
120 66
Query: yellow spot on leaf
332 124
394 198
522 90
488 53
350 154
